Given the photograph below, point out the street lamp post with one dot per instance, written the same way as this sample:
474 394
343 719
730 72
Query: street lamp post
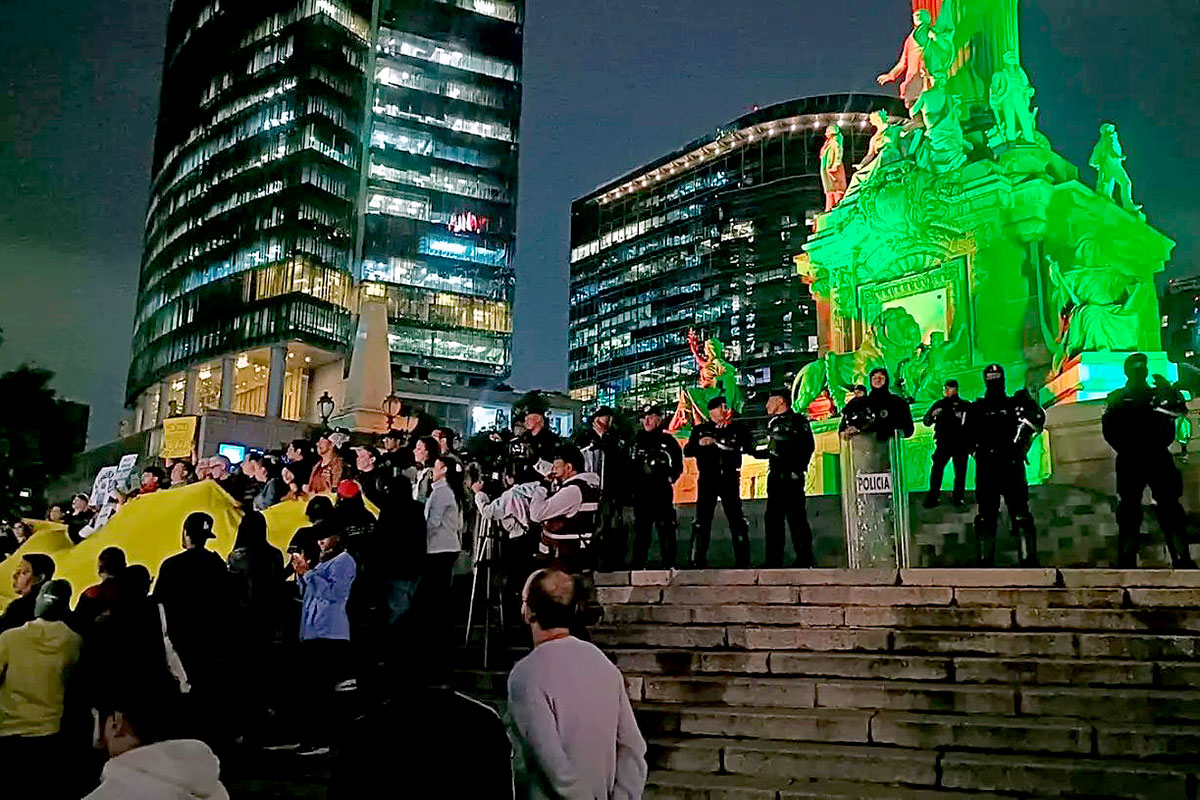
392 407
325 408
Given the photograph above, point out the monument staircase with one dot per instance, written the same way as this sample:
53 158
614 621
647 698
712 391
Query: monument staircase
923 683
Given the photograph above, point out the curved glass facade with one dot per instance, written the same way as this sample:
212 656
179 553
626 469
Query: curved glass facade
705 238
305 146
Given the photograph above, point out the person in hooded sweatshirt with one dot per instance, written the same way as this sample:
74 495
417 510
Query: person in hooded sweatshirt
133 721
32 572
36 660
880 413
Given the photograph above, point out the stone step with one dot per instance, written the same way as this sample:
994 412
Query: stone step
1159 620
1043 671
1127 705
1074 777
752 614
670 785
765 759
804 725
1000 643
982 732
1159 742
730 691
916 696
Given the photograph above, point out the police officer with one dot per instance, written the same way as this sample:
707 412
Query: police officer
1139 423
880 413
1000 430
790 446
946 418
605 454
718 446
535 443
657 462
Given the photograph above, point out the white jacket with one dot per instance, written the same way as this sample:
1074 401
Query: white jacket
177 769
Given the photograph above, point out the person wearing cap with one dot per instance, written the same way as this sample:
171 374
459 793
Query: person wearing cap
790 446
535 443
946 418
1139 424
880 413
718 446
196 593
36 660
327 473
1000 430
657 462
604 454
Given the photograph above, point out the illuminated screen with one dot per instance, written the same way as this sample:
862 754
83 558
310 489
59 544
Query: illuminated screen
929 310
236 453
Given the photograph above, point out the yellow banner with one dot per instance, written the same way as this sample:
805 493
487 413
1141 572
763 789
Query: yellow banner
179 437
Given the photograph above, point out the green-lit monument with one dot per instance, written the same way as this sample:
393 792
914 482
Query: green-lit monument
964 239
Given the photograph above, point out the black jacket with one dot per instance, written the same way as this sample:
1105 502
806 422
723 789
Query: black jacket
605 456
655 458
527 449
1000 428
946 418
1139 419
725 457
790 443
195 590
880 413
18 612
254 580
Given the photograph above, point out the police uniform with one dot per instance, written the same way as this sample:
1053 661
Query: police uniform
606 456
1139 423
790 446
946 418
719 466
656 462
527 450
1000 430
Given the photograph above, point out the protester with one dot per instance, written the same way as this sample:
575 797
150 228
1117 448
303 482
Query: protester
327 472
131 633
182 473
19 532
421 472
880 413
294 481
153 478
718 446
204 469
572 725
194 590
134 722
254 566
80 516
395 458
36 660
33 570
445 439
325 628
56 513
99 599
274 488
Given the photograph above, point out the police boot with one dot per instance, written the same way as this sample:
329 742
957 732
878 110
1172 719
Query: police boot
1026 533
698 550
985 542
1177 547
741 550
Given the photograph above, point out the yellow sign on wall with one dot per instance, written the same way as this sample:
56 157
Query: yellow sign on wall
179 437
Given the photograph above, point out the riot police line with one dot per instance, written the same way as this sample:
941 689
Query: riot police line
618 476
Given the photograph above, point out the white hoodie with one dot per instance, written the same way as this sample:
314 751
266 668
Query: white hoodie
178 769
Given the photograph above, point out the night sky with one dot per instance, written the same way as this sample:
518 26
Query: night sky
609 85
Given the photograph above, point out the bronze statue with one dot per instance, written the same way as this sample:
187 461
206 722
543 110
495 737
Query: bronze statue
833 170
1108 159
1010 95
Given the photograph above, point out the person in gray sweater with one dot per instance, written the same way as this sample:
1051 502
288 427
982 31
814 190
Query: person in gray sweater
573 730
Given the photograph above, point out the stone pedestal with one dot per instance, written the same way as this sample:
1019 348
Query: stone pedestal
370 380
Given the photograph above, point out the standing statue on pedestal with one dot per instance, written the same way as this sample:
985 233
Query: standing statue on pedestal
910 69
1010 96
833 170
718 378
1108 159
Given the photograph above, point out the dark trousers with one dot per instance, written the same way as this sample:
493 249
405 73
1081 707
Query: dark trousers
1134 474
942 454
997 479
654 508
786 503
709 489
432 606
36 766
612 534
326 663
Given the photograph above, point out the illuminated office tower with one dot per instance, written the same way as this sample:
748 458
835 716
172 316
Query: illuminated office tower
309 151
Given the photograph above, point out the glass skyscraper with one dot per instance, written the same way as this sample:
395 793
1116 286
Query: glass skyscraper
705 238
307 149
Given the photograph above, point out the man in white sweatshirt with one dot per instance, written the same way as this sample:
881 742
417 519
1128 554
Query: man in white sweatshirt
131 726
573 731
